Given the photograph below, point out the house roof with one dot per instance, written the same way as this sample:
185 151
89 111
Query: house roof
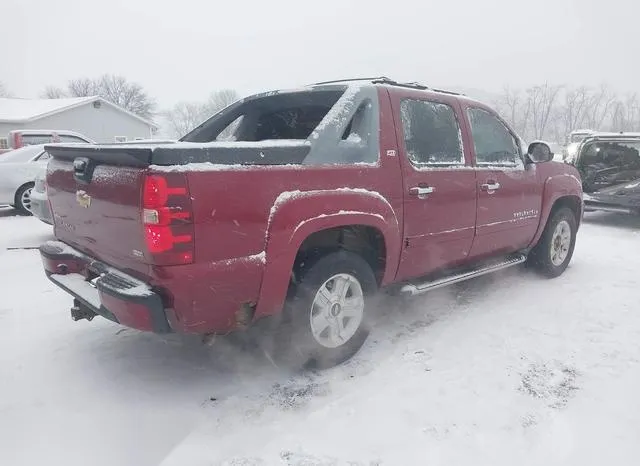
27 110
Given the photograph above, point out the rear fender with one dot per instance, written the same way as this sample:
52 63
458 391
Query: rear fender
296 215
555 188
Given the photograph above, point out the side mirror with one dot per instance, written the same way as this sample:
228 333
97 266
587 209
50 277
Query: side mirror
539 152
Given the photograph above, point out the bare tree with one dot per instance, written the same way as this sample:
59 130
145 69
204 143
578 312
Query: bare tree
625 114
221 99
115 89
516 108
542 100
574 108
600 106
53 92
185 116
85 87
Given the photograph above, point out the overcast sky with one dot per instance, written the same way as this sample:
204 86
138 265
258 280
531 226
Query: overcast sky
183 49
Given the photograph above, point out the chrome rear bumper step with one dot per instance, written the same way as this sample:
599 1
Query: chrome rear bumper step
419 288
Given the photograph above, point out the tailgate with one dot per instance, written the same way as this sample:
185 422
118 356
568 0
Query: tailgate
95 194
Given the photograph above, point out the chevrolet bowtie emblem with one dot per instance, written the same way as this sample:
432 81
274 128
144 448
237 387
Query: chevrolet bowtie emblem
83 199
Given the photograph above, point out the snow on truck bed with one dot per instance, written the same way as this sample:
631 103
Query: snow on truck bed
508 369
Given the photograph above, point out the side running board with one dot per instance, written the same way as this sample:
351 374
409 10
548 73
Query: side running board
419 288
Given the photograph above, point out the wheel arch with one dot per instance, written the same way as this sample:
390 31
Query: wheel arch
20 188
360 222
571 201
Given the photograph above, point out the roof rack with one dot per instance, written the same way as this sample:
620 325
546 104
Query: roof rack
374 79
390 82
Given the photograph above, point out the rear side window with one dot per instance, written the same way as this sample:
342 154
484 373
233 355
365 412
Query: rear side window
493 142
431 133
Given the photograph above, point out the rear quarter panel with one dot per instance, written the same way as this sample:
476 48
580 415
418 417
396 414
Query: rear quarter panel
253 220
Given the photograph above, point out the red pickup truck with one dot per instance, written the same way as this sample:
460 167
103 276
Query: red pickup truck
304 203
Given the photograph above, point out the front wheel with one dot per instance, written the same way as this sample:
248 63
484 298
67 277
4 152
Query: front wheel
552 254
328 310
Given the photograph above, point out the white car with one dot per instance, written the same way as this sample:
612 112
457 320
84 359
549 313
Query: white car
18 171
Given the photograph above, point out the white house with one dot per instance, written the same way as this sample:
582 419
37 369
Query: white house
93 117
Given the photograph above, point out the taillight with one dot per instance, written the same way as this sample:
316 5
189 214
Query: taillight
168 219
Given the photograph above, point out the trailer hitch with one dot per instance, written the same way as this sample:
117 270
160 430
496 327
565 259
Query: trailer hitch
80 312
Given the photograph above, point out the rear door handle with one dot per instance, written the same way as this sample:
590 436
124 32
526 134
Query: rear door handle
490 186
420 191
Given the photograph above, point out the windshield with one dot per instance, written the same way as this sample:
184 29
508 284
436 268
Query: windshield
24 154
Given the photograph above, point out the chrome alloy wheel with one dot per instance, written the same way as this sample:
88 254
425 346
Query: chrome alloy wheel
337 310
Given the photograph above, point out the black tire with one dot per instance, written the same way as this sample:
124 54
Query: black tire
299 348
20 204
542 254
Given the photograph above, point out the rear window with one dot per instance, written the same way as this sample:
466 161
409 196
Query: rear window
612 154
608 163
290 115
36 139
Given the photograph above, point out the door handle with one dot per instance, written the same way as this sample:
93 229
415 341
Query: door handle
420 191
490 186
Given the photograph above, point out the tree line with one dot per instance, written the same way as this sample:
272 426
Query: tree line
551 112
547 111
180 119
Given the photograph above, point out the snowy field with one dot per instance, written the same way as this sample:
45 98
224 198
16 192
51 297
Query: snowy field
509 370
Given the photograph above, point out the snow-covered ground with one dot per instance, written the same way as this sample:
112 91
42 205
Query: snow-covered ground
508 369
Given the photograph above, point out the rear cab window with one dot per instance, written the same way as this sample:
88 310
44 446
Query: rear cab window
338 124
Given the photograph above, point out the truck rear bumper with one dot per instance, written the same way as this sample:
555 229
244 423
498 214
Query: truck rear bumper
104 290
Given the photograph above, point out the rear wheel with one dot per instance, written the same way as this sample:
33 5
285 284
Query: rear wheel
552 254
328 310
23 199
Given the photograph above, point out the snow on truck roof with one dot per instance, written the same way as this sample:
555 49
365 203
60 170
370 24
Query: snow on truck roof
388 81
14 110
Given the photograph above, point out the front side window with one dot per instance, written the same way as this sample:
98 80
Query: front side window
431 133
493 142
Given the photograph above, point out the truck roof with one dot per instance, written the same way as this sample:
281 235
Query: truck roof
383 80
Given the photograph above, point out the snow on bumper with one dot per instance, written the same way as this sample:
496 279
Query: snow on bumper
104 290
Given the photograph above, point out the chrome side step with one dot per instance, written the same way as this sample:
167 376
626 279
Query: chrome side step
419 288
